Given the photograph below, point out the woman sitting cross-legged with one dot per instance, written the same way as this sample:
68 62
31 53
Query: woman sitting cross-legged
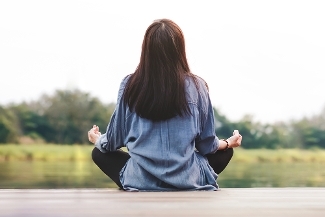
164 117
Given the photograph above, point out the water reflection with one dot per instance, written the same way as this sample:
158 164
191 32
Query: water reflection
84 174
39 174
265 174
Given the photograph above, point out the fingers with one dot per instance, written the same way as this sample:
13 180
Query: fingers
236 138
239 140
96 129
92 137
90 132
93 134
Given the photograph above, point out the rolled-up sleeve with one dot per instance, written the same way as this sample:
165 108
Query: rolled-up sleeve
207 142
113 138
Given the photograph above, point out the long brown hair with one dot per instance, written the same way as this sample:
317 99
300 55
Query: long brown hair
156 90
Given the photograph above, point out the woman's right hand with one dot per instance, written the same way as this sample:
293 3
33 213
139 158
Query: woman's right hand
94 134
235 140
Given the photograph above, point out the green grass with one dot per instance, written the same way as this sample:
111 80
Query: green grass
48 152
278 155
51 152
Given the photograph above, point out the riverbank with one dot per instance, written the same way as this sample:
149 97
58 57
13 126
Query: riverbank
51 152
109 202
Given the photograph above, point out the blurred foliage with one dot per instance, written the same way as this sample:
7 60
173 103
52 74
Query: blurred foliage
63 118
67 115
8 130
304 133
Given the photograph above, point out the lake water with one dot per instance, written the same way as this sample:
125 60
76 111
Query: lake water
84 174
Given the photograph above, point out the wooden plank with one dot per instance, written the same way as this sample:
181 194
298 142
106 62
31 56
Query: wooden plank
111 202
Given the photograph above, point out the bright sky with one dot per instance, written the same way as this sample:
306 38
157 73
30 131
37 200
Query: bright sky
263 58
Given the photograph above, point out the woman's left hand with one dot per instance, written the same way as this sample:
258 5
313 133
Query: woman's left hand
94 134
235 140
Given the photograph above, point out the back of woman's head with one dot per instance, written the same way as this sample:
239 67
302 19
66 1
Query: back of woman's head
156 90
164 46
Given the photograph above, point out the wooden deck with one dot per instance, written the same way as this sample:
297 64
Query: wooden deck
260 202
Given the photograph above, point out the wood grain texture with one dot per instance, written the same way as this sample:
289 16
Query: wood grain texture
111 202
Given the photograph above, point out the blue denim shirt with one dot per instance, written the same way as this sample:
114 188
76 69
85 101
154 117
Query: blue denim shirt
167 155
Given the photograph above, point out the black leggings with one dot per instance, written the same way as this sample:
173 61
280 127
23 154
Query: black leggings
111 163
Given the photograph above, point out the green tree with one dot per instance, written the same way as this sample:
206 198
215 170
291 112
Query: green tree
275 136
309 133
29 122
8 126
69 114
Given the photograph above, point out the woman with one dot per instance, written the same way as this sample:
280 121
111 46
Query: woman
165 119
